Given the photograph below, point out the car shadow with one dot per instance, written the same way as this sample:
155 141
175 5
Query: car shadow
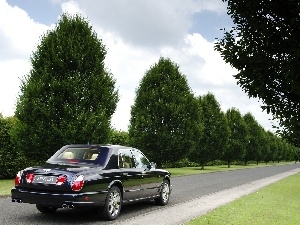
85 216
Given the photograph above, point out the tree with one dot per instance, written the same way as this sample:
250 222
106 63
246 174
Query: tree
236 148
165 115
119 138
255 138
11 161
211 144
295 153
264 48
267 147
273 147
68 96
288 151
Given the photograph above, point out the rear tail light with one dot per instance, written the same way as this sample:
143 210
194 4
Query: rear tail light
78 183
29 178
61 179
18 178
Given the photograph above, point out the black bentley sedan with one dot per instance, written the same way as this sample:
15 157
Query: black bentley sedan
100 176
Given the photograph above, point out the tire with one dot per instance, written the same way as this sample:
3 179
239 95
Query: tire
113 204
46 208
164 194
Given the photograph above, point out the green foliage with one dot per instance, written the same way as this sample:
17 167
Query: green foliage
165 116
295 153
68 96
255 138
236 148
185 162
266 152
119 138
11 160
264 48
212 143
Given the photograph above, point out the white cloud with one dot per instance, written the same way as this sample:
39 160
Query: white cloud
19 36
203 67
71 7
147 23
18 32
10 71
215 76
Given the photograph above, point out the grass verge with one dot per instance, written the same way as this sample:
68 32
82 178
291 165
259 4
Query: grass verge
275 204
6 186
208 169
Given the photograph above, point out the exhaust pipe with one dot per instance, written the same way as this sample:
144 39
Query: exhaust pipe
66 206
16 200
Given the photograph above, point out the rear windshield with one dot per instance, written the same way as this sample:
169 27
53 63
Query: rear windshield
80 155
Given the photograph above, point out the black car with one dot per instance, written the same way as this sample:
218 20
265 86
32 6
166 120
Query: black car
100 176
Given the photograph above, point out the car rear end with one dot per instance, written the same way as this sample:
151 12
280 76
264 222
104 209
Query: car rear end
55 187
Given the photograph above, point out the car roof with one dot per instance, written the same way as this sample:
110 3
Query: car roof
99 145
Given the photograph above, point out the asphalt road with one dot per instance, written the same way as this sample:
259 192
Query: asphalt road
185 189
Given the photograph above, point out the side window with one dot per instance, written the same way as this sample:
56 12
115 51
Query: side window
125 159
140 159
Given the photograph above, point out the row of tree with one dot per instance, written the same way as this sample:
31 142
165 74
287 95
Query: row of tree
69 96
169 123
218 136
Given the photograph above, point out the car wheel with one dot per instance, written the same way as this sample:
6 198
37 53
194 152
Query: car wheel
113 204
164 194
46 209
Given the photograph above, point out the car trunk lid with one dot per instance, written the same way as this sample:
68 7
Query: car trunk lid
53 177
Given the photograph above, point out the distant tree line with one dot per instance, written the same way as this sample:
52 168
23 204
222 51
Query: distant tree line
170 124
69 97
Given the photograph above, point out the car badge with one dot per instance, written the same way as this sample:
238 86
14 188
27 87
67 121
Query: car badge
47 170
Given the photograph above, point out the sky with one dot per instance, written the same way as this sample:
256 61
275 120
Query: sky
136 34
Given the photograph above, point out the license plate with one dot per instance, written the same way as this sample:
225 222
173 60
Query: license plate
45 179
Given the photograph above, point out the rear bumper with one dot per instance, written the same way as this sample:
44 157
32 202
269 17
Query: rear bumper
58 199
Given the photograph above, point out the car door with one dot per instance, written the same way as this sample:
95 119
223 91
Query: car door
149 179
130 176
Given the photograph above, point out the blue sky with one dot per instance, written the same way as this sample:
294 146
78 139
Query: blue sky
209 24
42 11
136 33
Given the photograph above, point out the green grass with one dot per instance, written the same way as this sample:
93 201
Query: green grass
6 186
276 204
208 169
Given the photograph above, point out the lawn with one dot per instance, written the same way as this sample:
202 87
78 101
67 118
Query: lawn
275 204
208 169
5 186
